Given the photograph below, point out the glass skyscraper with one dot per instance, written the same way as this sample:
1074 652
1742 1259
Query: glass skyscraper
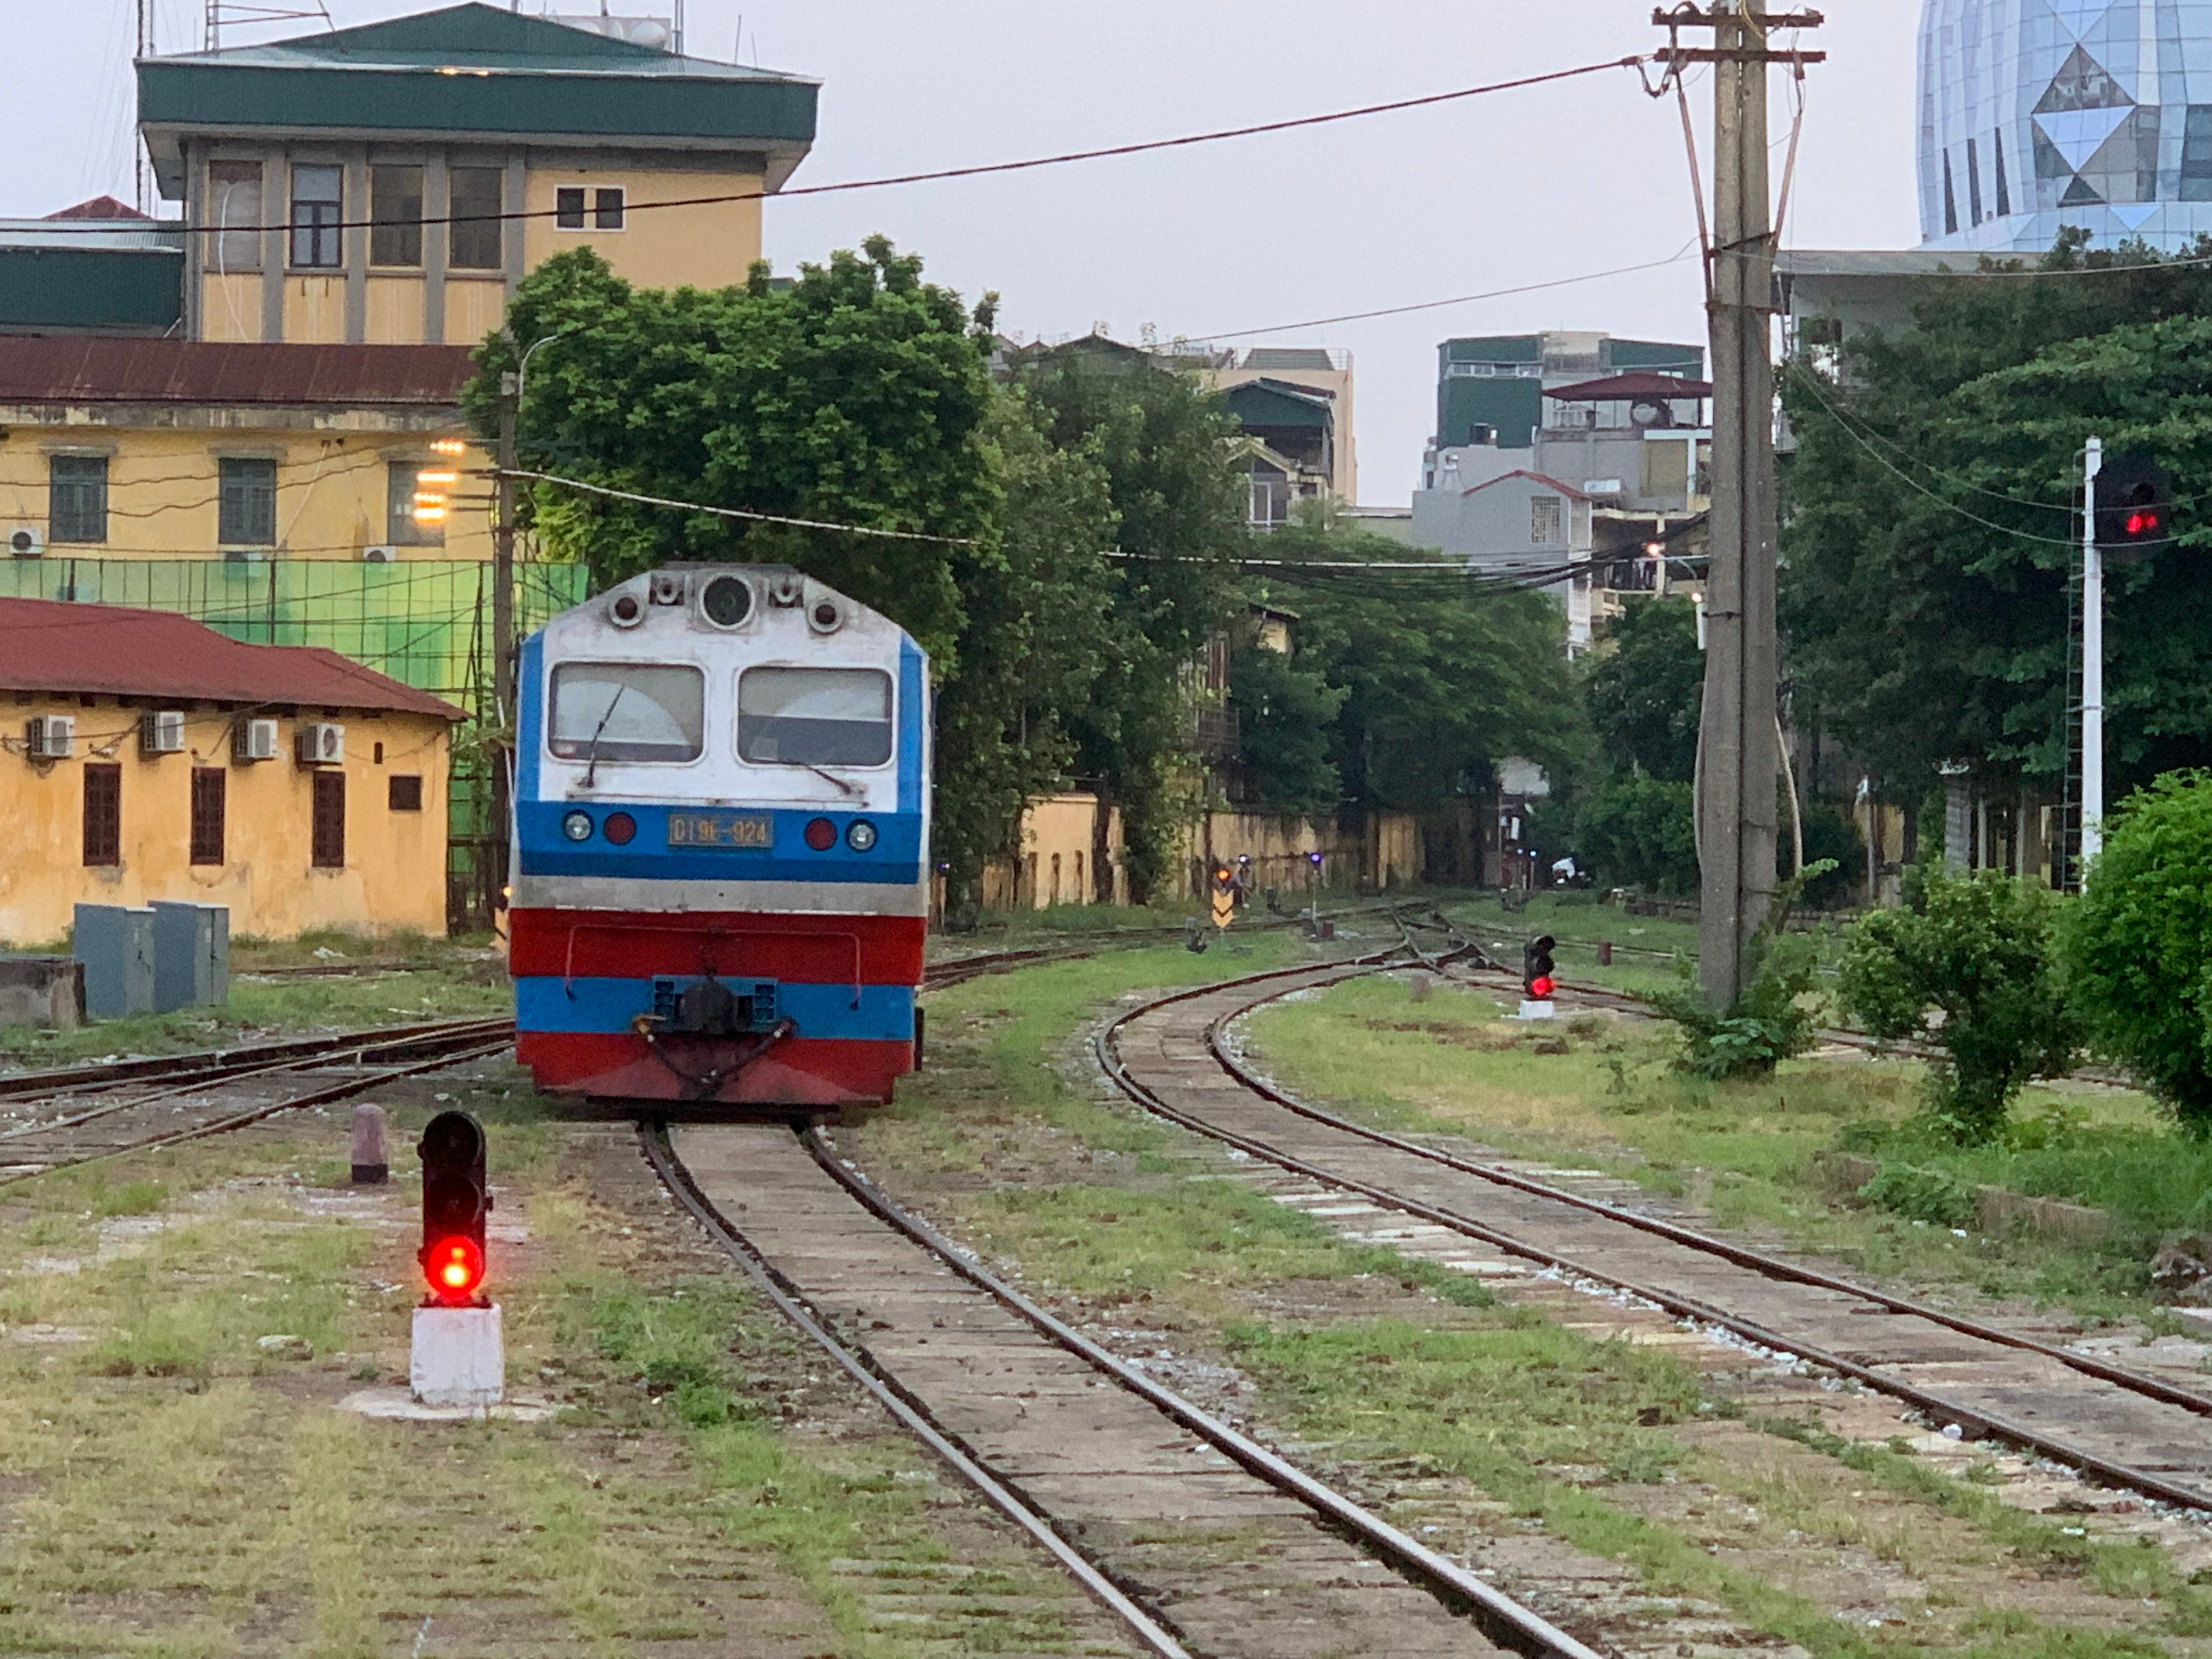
2038 114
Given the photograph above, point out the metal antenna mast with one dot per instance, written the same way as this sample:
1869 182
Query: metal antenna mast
1740 753
142 197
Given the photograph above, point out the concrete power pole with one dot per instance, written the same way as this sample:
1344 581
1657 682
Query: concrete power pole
1738 774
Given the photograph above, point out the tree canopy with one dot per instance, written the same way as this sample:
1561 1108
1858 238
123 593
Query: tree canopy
1931 537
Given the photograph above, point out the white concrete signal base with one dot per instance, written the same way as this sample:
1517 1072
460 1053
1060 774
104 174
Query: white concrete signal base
459 1356
1544 1010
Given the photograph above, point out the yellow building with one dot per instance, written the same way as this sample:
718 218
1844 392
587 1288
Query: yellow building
390 184
178 449
147 757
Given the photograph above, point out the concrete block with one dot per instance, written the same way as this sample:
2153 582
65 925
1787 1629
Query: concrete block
116 946
191 955
2051 1218
459 1356
1544 1010
42 991
371 1166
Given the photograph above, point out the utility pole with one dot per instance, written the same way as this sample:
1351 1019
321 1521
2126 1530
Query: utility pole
502 647
2092 660
142 197
1740 754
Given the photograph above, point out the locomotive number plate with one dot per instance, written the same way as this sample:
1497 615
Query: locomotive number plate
727 829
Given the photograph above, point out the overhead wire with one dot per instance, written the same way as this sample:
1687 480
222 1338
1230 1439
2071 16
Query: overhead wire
975 171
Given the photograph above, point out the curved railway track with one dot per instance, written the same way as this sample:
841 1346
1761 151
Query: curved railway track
1172 1056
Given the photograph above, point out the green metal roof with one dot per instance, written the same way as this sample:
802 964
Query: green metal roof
1496 348
1271 404
474 69
135 291
1513 405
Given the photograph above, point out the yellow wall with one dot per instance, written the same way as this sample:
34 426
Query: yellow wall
701 246
330 482
704 247
395 873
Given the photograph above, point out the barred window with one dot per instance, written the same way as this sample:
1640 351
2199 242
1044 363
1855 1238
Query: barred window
210 791
247 510
77 498
330 850
103 815
1546 523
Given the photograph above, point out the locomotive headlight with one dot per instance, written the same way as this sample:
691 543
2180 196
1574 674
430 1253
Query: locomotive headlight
577 826
862 835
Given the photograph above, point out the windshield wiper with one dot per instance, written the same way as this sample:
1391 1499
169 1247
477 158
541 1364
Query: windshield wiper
591 772
853 790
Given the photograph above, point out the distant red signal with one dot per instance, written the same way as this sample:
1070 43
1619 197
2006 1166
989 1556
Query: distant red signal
1542 987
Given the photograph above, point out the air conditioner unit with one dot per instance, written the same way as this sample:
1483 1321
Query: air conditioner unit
384 555
321 743
162 732
253 741
25 541
51 737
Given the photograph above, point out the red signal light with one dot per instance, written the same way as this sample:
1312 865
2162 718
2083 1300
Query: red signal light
455 1268
2143 524
1542 987
620 828
821 835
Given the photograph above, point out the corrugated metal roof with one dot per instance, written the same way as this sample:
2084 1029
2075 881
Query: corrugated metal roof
84 371
1624 387
111 650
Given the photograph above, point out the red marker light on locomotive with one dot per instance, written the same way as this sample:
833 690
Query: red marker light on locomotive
455 1268
620 828
821 835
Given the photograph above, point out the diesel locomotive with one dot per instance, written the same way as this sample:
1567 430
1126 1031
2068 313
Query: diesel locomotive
720 859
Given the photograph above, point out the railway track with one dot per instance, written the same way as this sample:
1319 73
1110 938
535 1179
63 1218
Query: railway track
1203 1541
61 1119
1174 1057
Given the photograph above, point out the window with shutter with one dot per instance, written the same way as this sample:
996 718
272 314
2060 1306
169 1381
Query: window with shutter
329 851
406 795
103 815
211 786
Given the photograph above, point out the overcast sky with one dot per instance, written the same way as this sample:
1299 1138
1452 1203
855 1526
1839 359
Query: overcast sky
1496 193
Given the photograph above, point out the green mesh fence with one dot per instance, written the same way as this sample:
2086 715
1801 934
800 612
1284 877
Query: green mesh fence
425 623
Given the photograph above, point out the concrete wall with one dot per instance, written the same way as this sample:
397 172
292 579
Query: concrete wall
1059 860
163 464
394 876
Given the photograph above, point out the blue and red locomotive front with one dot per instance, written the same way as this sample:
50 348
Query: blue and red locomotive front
721 843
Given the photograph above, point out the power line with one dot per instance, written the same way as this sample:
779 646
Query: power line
733 512
942 174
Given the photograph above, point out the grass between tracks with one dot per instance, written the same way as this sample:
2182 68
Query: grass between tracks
1600 1090
172 1487
402 979
1373 1363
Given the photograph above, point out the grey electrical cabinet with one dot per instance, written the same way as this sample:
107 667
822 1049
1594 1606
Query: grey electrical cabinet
192 955
116 946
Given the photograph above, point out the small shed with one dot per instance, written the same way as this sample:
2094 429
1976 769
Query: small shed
144 756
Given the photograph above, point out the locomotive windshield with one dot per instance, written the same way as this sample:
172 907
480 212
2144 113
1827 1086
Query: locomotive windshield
627 712
815 716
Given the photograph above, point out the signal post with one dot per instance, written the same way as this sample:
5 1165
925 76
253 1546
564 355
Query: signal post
458 1357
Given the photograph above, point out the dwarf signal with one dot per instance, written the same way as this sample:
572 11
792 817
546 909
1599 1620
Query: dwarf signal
1225 895
456 1200
1537 977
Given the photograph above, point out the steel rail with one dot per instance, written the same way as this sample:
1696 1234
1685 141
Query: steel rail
357 1054
904 1405
109 1073
1935 1406
1496 1615
1773 1267
354 1086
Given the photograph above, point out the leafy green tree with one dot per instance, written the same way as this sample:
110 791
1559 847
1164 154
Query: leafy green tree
1930 529
1980 948
2138 943
1162 441
1645 690
858 395
1284 709
1631 831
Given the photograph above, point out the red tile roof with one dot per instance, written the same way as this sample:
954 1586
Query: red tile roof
1541 479
41 369
1640 386
47 645
101 207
